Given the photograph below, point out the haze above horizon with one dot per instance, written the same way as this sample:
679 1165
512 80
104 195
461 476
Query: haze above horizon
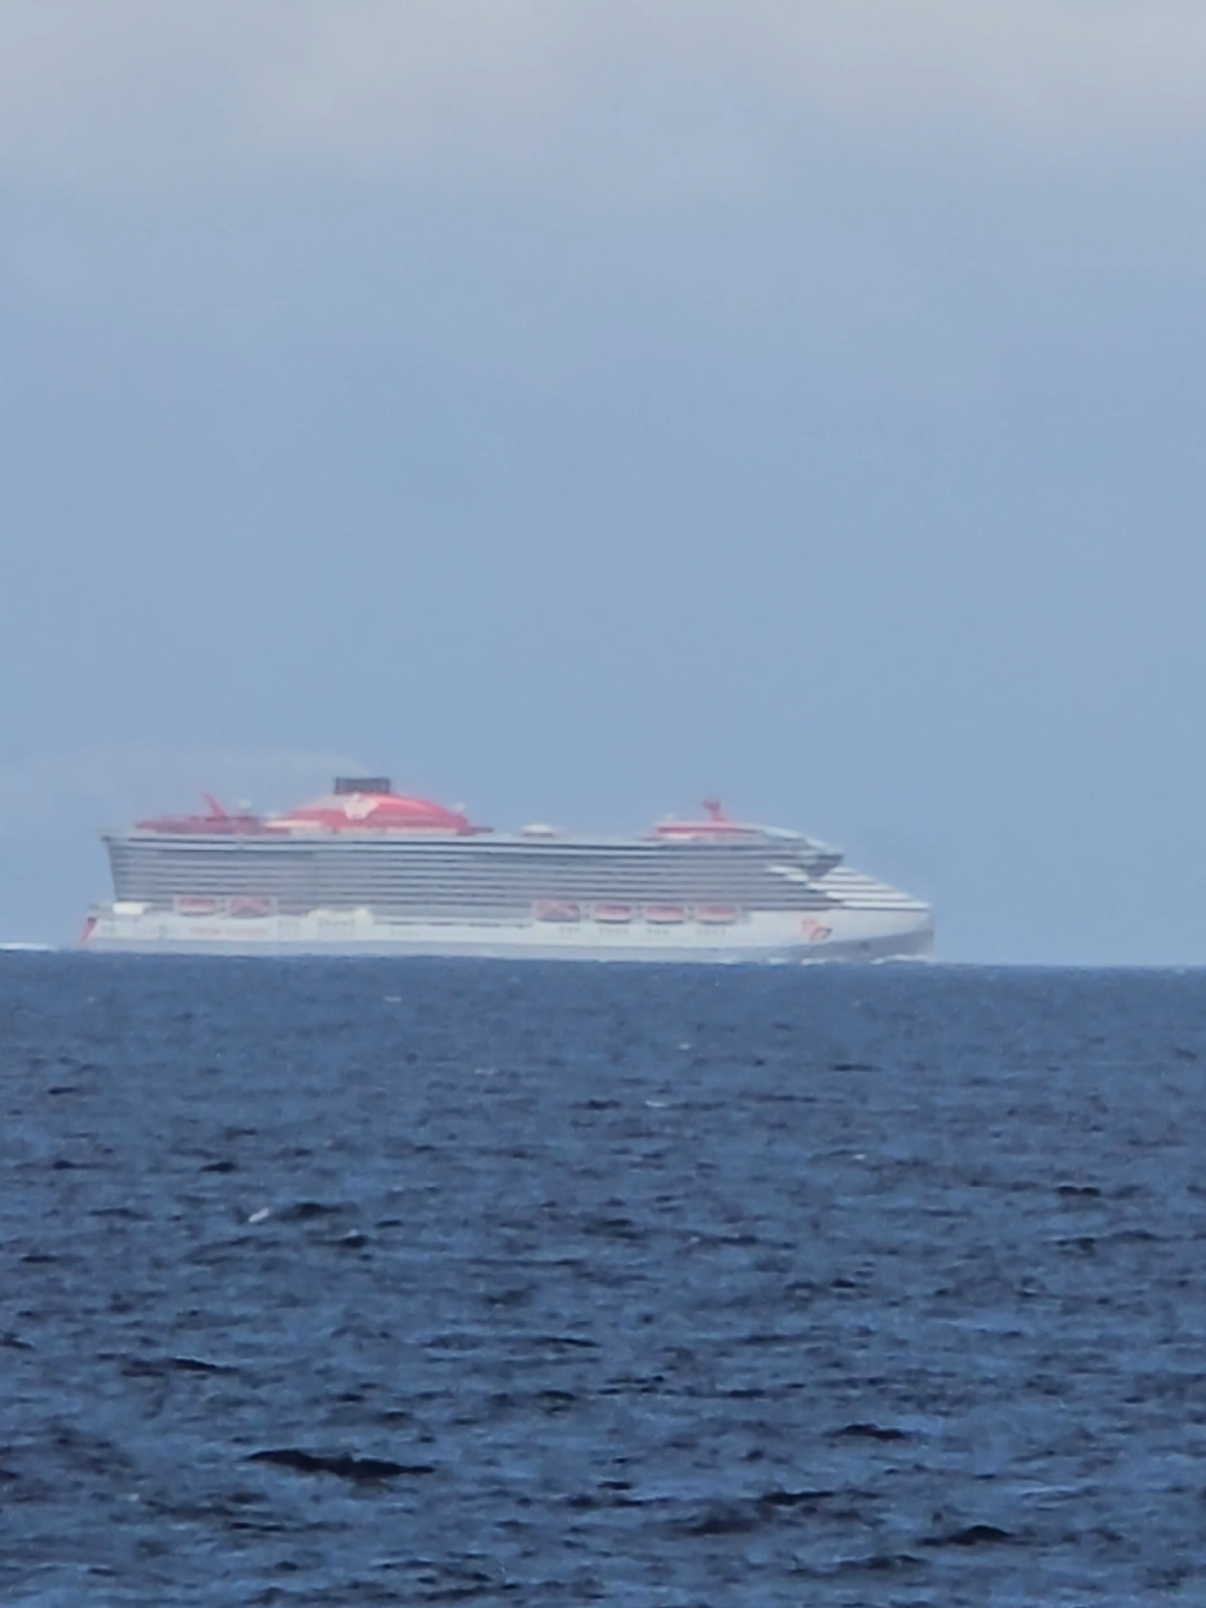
576 410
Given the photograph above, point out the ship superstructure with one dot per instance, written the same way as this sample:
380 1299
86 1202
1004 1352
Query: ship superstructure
366 870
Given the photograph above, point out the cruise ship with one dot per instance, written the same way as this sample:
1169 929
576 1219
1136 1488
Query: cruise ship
369 871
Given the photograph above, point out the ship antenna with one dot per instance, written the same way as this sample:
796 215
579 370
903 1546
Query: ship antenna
714 808
217 813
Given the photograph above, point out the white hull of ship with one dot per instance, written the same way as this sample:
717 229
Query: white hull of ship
767 937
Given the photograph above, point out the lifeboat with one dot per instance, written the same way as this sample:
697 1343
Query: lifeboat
717 915
556 910
613 915
247 905
186 904
665 915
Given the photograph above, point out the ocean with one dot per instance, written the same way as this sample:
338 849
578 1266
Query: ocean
377 1282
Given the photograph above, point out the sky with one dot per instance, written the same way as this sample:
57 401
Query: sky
572 410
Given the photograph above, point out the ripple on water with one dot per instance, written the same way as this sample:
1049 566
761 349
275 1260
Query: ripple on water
379 1282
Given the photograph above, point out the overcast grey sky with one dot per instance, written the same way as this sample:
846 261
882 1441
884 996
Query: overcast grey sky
573 407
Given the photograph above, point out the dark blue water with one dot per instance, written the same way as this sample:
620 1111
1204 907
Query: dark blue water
568 1285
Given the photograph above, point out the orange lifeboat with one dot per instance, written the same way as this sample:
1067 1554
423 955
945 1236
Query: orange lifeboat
613 915
246 904
717 915
188 905
665 915
559 910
